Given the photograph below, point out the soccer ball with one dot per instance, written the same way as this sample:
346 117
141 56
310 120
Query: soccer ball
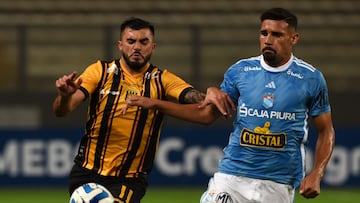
91 193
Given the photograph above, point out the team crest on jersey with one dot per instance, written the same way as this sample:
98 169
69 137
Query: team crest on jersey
268 100
130 93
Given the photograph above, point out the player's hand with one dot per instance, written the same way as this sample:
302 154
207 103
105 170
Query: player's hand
140 101
67 85
221 100
310 186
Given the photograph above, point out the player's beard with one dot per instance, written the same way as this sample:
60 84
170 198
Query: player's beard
269 55
136 65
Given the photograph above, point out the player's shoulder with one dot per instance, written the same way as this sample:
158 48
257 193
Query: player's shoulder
155 68
164 72
108 66
104 64
100 62
306 68
97 67
301 64
247 61
251 63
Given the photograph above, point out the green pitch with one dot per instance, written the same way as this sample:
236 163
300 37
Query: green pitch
161 195
186 195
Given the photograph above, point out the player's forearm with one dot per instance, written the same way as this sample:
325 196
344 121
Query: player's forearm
324 148
61 106
188 112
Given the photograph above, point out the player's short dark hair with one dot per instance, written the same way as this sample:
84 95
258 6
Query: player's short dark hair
280 14
136 24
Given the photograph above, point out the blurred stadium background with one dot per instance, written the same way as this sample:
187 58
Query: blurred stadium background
41 40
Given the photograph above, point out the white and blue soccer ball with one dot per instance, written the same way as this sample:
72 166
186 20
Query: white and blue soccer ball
91 193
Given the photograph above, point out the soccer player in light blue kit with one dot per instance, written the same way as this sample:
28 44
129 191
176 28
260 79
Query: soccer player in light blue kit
276 94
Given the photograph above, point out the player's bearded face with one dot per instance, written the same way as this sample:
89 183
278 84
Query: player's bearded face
136 47
136 60
269 54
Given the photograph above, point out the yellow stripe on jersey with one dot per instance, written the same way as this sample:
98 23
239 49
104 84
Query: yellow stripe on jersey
116 144
125 195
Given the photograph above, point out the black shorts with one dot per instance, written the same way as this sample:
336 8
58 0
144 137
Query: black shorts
128 190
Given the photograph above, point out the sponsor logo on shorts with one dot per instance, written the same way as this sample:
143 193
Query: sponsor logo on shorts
223 197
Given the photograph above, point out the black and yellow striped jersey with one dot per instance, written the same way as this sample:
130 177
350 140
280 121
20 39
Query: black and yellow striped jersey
116 144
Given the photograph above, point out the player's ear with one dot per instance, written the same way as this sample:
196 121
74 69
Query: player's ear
119 44
295 38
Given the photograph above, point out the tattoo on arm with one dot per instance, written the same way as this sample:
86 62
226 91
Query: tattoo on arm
194 96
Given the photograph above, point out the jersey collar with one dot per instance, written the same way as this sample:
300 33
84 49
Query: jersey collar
277 69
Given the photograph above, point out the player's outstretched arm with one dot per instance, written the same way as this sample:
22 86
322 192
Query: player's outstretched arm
188 112
69 95
310 186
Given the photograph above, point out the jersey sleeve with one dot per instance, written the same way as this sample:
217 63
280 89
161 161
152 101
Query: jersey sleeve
175 87
320 101
90 78
228 85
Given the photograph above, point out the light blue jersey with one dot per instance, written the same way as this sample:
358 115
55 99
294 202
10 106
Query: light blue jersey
271 126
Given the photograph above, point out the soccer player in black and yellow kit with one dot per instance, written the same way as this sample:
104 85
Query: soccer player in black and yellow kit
117 150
